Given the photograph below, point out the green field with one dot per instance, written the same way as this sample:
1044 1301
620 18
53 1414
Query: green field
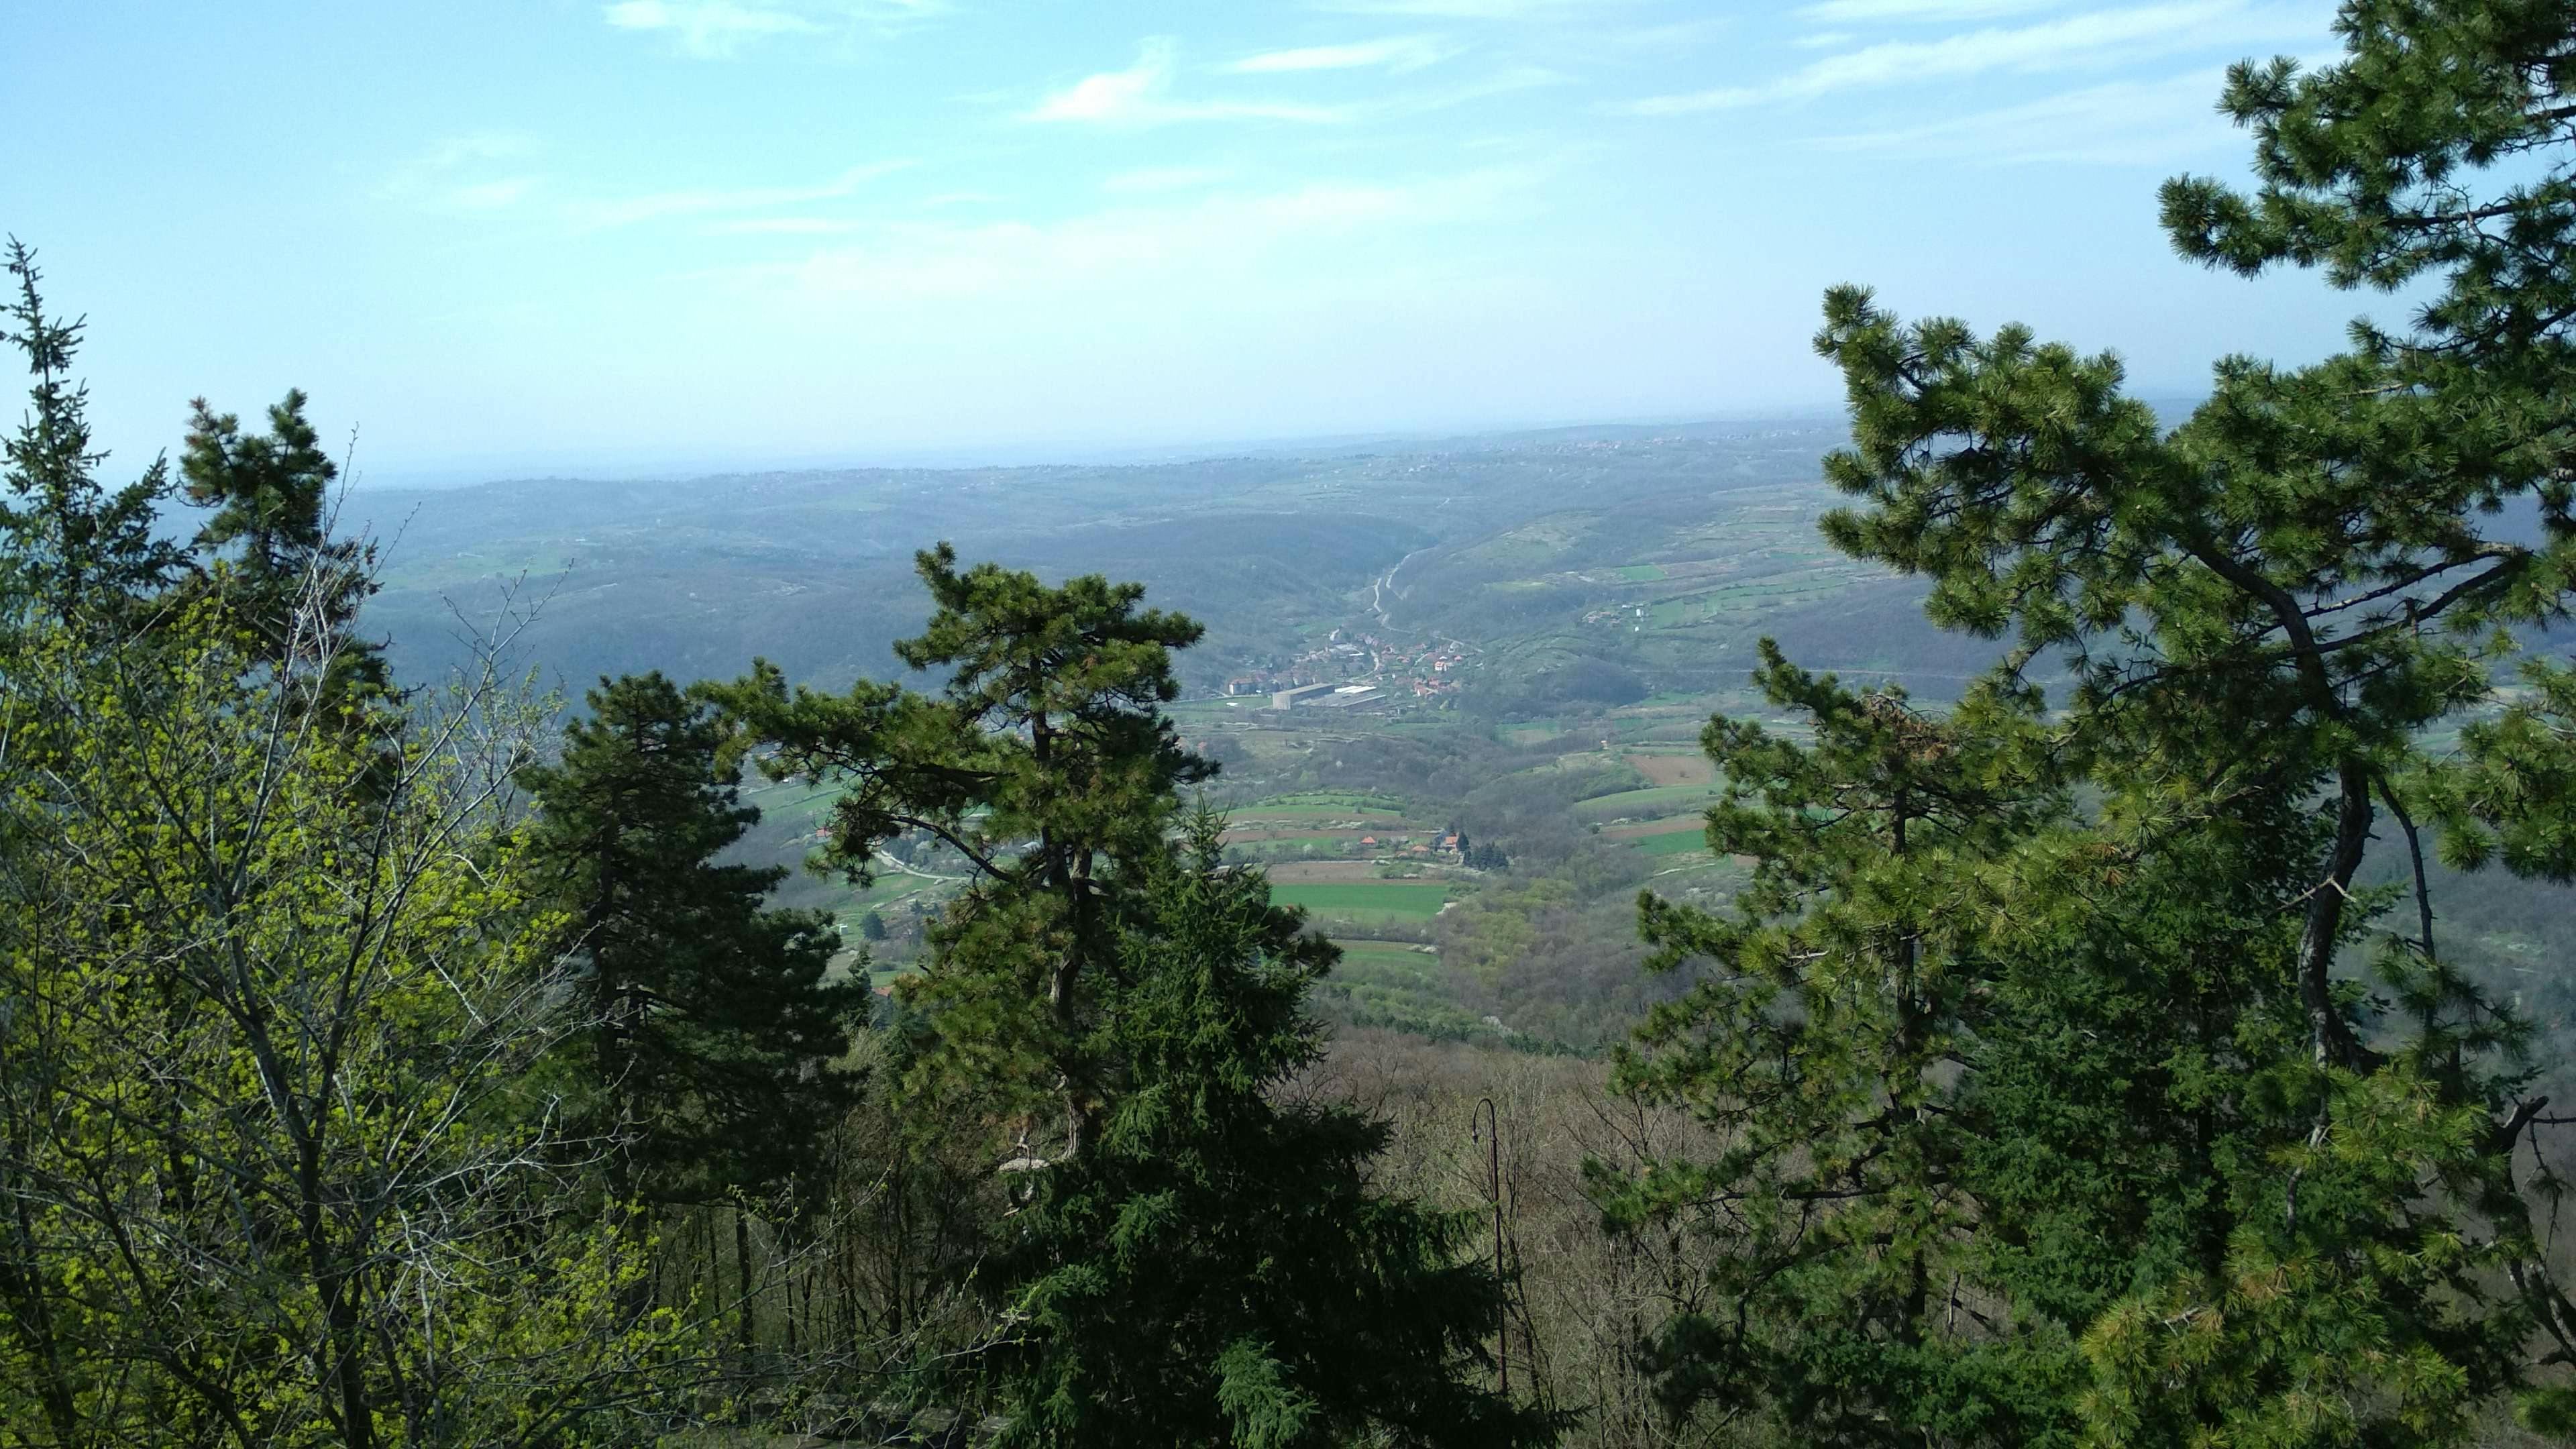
1364 900
1645 804
1687 609
1642 573
534 560
1377 810
1394 964
1679 842
1323 823
1391 984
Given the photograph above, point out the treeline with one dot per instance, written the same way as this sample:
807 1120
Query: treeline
375 1069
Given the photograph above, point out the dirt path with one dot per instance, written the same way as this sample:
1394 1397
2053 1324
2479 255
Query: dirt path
886 859
1377 591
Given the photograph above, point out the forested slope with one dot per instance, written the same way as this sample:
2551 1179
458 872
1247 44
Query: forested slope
2133 1018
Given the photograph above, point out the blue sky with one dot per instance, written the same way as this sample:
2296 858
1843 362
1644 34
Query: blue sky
513 236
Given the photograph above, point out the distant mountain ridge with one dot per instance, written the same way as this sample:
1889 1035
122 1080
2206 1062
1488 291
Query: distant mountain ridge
811 568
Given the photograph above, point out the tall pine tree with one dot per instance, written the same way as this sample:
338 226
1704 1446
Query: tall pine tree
1216 1268
267 547
70 549
1047 766
2251 1201
714 1023
1197 1261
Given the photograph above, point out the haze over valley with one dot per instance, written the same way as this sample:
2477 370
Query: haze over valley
1870 742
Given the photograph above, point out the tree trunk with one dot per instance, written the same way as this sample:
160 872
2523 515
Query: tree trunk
2330 1040
742 1276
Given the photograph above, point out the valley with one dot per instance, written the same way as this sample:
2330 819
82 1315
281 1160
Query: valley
1463 653
1518 639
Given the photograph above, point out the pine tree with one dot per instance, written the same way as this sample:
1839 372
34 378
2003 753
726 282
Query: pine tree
1216 1269
2248 1201
267 545
1968 1056
1200 1262
69 548
1047 763
714 1023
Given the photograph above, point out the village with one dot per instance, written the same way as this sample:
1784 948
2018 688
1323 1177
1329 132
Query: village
1356 670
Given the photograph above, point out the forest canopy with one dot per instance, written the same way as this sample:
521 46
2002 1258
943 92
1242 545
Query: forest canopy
2090 1058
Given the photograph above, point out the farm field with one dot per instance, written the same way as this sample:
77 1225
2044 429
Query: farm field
1315 872
1414 901
1345 801
1395 985
1315 815
1674 768
1645 804
1718 604
1643 829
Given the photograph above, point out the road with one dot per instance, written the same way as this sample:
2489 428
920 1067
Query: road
1377 591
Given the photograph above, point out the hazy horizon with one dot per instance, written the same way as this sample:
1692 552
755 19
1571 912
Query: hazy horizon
1040 454
662 235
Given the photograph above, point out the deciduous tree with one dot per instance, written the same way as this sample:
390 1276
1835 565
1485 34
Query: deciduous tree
275 1163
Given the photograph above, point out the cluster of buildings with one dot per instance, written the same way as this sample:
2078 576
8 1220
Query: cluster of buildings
1450 844
1632 615
1354 670
1328 696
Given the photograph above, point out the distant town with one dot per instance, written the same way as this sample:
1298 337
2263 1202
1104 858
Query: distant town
1354 670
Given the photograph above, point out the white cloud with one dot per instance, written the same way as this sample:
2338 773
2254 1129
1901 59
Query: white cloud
466 173
1125 246
1476 9
1858 12
834 225
1398 53
1112 94
455 151
784 226
707 27
459 175
1500 83
2145 123
623 211
491 195
1140 96
1671 35
1823 40
715 28
2098 37
1149 179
